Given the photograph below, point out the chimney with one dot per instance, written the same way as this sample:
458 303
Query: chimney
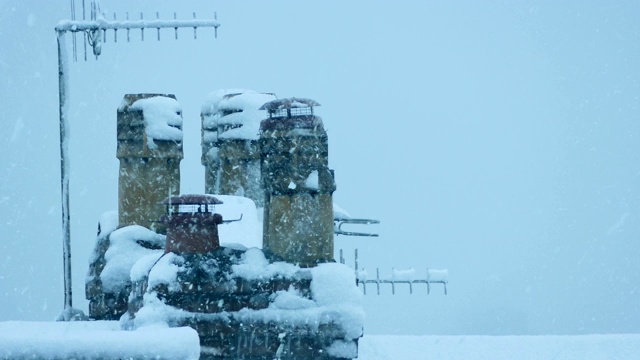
298 184
149 150
230 127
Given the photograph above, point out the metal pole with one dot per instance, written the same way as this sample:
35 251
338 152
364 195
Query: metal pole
63 70
64 167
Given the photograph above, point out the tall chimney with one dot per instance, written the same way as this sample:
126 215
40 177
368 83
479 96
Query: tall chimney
149 150
230 126
298 184
210 159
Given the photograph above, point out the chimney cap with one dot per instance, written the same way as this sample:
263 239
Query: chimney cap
288 103
191 199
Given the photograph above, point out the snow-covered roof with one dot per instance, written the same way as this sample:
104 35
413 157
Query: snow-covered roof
94 340
105 340
334 296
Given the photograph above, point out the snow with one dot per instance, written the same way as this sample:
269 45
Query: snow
403 275
101 23
585 347
298 104
312 181
236 118
438 275
212 154
249 130
154 313
162 117
224 99
108 222
123 253
343 349
242 112
254 265
311 317
141 268
166 271
335 298
243 234
94 340
291 300
209 136
248 231
339 212
334 286
362 274
105 340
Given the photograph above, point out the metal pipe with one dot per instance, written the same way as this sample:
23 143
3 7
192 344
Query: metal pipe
175 28
127 28
195 28
158 18
355 257
393 287
64 167
84 34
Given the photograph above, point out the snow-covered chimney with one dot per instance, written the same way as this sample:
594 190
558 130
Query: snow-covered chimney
230 126
298 184
149 150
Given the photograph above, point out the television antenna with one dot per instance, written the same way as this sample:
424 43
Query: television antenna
408 277
94 31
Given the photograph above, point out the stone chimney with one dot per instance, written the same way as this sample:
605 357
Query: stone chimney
298 184
149 150
230 126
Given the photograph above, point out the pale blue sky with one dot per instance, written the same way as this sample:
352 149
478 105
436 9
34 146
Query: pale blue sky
499 140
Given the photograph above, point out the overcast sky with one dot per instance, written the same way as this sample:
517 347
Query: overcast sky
500 140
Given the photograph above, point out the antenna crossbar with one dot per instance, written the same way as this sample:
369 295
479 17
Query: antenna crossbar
92 25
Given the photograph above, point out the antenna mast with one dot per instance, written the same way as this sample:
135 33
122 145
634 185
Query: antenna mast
95 34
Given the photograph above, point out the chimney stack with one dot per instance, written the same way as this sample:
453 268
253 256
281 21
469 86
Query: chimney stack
150 151
230 127
298 184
